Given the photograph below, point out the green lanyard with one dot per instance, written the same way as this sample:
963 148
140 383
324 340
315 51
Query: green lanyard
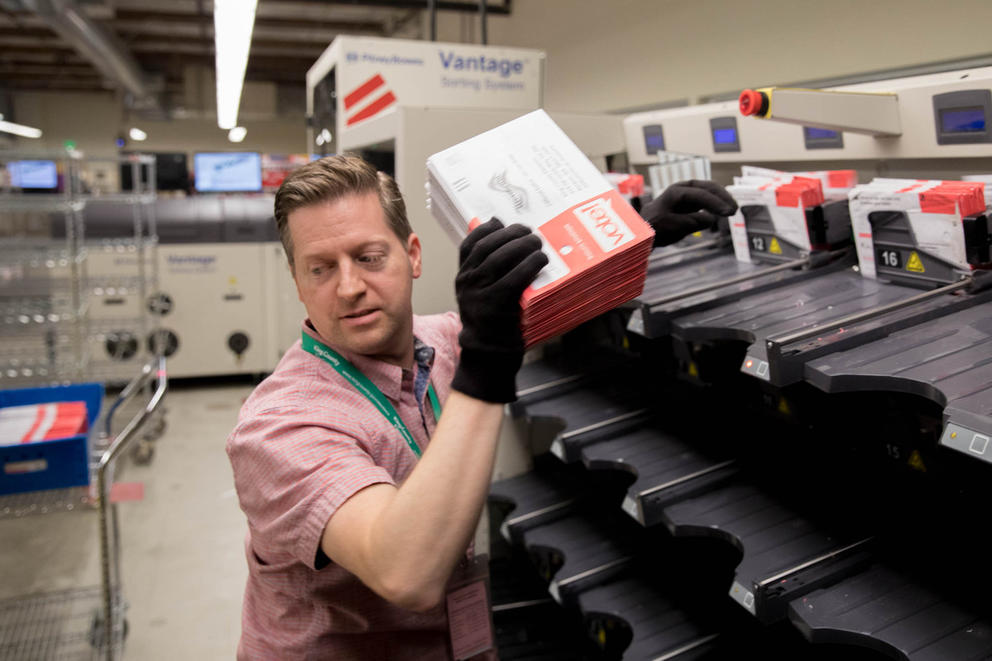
363 385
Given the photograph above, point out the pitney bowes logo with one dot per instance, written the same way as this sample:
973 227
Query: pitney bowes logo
368 99
604 224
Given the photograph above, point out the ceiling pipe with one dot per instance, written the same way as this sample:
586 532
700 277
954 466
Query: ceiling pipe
93 42
432 12
482 19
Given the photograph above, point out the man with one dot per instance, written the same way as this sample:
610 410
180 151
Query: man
361 495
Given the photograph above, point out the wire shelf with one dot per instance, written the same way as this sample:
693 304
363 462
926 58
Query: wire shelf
19 266
31 312
54 202
61 625
33 503
37 371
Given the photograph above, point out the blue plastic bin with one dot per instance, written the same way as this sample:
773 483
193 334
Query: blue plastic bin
54 464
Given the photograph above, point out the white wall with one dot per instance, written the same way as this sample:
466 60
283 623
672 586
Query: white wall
621 54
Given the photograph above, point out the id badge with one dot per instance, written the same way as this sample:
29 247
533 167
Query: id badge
470 624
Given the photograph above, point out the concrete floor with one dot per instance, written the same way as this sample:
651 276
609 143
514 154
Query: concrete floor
182 556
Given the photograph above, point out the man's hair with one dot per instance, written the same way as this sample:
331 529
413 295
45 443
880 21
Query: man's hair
330 179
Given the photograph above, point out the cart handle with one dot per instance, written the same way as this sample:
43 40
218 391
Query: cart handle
153 368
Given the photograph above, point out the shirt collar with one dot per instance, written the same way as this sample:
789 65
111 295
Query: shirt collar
386 377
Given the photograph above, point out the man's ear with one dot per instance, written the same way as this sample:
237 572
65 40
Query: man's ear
413 252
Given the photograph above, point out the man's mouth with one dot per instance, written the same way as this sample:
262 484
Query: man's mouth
359 315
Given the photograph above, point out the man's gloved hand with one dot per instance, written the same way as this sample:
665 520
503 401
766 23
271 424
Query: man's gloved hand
686 207
496 264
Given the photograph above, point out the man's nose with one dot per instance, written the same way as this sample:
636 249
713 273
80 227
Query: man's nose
351 283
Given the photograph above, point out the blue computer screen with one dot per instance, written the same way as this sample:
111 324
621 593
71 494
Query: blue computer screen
227 172
820 134
724 136
654 139
33 174
962 120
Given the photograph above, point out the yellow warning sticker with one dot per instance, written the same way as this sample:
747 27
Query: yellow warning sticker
698 235
774 248
783 406
914 263
915 460
693 370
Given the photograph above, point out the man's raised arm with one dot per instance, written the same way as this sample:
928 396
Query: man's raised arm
405 542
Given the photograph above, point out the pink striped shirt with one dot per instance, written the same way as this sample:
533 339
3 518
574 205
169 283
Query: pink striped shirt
305 442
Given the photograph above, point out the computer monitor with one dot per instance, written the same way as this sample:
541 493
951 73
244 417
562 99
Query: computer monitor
33 175
227 172
171 172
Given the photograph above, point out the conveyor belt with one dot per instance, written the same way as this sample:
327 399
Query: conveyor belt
947 360
588 549
760 319
536 498
886 610
666 468
656 306
784 554
657 627
596 406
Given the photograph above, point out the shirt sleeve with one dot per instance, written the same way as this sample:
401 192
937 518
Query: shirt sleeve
451 328
292 474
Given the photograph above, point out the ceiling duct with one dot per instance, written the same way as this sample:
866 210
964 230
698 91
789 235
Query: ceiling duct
97 45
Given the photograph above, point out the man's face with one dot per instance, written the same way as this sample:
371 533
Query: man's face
355 276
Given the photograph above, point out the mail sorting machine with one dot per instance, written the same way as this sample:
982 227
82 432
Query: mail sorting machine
822 494
217 303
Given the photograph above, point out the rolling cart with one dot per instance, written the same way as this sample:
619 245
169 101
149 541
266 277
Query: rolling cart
83 622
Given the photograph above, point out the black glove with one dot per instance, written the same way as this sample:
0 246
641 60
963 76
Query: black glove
686 207
496 264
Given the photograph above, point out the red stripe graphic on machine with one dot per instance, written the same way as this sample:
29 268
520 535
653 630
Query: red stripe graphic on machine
364 92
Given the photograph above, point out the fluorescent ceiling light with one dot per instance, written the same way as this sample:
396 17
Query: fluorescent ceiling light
237 134
233 22
137 134
19 129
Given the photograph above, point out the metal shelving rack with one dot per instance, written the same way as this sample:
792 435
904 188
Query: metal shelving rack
74 307
42 301
62 296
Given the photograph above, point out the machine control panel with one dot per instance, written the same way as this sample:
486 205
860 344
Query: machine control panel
965 440
756 367
963 117
725 135
654 138
817 138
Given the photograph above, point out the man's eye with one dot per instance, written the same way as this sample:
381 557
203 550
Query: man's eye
316 270
372 259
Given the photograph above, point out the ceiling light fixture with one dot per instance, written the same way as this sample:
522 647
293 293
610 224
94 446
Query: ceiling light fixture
237 134
137 134
233 23
19 129
324 137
